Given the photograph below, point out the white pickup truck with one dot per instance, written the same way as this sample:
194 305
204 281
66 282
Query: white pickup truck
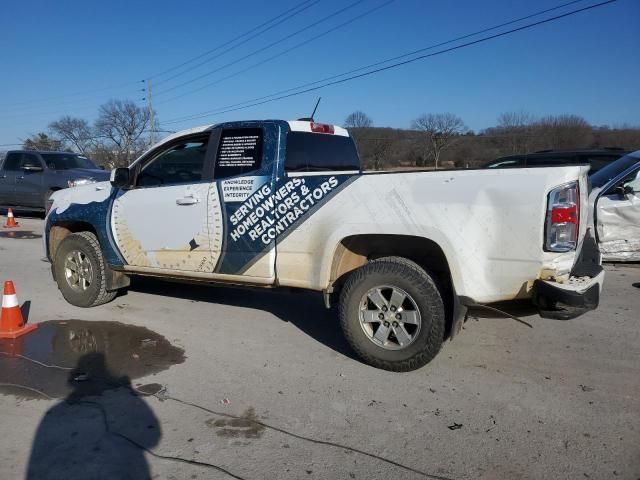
276 203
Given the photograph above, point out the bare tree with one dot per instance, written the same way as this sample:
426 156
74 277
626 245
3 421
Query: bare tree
121 126
76 132
358 119
516 127
42 141
440 131
374 146
380 148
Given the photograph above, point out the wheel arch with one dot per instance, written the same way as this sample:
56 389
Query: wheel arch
61 229
355 251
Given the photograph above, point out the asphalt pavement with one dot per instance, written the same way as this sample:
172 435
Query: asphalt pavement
202 382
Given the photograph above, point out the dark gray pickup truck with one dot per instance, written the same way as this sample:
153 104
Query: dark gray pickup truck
28 178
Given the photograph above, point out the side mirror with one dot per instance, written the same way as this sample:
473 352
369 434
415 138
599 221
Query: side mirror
101 167
32 167
121 177
624 190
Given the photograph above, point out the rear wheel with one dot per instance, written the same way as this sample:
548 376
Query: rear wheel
392 314
80 271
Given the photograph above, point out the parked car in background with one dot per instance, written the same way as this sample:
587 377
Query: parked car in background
28 178
616 193
597 159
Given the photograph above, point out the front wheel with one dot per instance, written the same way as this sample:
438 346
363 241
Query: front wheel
81 271
392 314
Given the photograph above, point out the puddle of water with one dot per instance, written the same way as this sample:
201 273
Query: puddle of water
99 355
20 234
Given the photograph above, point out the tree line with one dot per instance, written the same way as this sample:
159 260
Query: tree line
442 140
120 134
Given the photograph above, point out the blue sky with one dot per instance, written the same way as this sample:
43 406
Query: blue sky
55 55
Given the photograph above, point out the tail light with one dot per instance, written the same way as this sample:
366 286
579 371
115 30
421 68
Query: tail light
563 218
321 128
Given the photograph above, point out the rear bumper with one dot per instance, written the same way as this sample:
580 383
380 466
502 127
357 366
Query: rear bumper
564 301
581 293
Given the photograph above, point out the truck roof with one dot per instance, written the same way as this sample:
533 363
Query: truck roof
294 125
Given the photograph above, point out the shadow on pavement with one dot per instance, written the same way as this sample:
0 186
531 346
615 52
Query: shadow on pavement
302 308
100 430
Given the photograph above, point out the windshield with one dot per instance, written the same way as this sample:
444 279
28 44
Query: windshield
65 161
611 171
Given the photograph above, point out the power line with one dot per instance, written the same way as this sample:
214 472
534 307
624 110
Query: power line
273 57
204 54
300 8
236 107
366 67
81 105
75 94
284 52
255 52
288 14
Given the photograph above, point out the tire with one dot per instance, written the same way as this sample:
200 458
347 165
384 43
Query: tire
420 317
92 291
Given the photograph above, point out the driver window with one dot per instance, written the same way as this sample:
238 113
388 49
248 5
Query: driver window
181 163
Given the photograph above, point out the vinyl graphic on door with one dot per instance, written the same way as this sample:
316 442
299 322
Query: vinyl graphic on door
169 227
269 213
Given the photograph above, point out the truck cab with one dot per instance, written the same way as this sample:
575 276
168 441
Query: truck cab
195 205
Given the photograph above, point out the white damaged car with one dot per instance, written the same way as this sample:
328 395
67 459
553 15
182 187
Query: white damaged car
616 193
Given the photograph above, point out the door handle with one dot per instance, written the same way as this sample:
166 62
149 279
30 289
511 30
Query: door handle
3 176
187 201
20 178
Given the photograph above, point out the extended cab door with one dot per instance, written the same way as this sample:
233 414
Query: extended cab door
618 219
162 222
245 163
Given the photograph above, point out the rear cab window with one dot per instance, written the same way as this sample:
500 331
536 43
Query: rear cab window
319 152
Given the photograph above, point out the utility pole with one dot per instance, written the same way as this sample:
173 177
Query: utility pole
152 118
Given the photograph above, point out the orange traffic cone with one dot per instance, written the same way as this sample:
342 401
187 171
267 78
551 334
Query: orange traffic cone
11 221
11 322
